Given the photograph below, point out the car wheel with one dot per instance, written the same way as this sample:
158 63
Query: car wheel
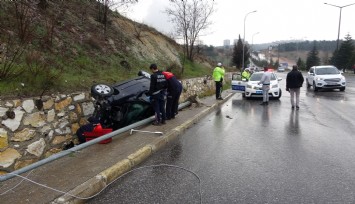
308 84
280 94
315 88
342 89
101 90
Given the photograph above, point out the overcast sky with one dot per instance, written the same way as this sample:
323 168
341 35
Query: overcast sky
275 20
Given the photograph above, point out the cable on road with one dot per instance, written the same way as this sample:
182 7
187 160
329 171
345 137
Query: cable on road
3 193
166 165
90 197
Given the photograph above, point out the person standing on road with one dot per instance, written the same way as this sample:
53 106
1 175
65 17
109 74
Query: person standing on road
157 91
294 81
218 75
174 92
265 81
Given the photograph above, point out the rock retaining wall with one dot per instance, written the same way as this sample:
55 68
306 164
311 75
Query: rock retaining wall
32 129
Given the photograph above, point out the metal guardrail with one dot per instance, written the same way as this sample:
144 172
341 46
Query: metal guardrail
82 146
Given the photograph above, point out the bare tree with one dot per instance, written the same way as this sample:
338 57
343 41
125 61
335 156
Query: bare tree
191 18
23 18
43 4
104 7
122 4
11 53
138 31
45 72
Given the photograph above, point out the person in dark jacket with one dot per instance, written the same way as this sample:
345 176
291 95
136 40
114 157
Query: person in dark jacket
174 92
157 93
294 81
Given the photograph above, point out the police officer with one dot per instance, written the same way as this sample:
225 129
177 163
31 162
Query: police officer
218 75
157 91
246 74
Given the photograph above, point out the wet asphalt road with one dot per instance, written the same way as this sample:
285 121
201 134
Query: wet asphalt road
247 153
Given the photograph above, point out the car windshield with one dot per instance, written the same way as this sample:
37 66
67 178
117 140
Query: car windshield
257 76
327 70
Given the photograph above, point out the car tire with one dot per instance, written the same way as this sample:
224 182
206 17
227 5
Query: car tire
280 94
315 88
308 84
101 90
342 89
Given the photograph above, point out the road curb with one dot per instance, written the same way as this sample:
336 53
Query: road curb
116 170
86 189
101 180
158 144
140 155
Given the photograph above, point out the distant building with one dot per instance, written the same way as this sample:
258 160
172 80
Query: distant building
226 43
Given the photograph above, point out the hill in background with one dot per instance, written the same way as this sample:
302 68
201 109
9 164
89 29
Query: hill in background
284 51
70 45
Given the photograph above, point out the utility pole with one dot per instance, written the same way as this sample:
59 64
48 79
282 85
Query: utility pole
245 18
340 7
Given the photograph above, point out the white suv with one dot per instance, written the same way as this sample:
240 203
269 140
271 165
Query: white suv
325 77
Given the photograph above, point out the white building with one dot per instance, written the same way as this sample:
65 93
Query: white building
226 43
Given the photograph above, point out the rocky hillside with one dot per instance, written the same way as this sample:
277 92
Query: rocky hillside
66 45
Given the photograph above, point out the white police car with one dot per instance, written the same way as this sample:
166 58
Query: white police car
251 88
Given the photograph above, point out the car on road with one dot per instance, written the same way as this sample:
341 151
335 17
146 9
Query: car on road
325 77
123 103
251 88
281 69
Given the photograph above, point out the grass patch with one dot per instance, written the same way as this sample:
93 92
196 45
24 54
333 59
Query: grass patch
195 70
80 72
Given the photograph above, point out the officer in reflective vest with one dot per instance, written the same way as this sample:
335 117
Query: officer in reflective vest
218 75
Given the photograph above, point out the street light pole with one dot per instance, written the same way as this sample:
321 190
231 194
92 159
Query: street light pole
244 36
340 7
252 39
252 44
278 54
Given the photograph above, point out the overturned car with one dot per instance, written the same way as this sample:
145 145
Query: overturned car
117 106
122 103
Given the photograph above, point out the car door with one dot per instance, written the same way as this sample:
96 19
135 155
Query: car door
310 76
238 85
